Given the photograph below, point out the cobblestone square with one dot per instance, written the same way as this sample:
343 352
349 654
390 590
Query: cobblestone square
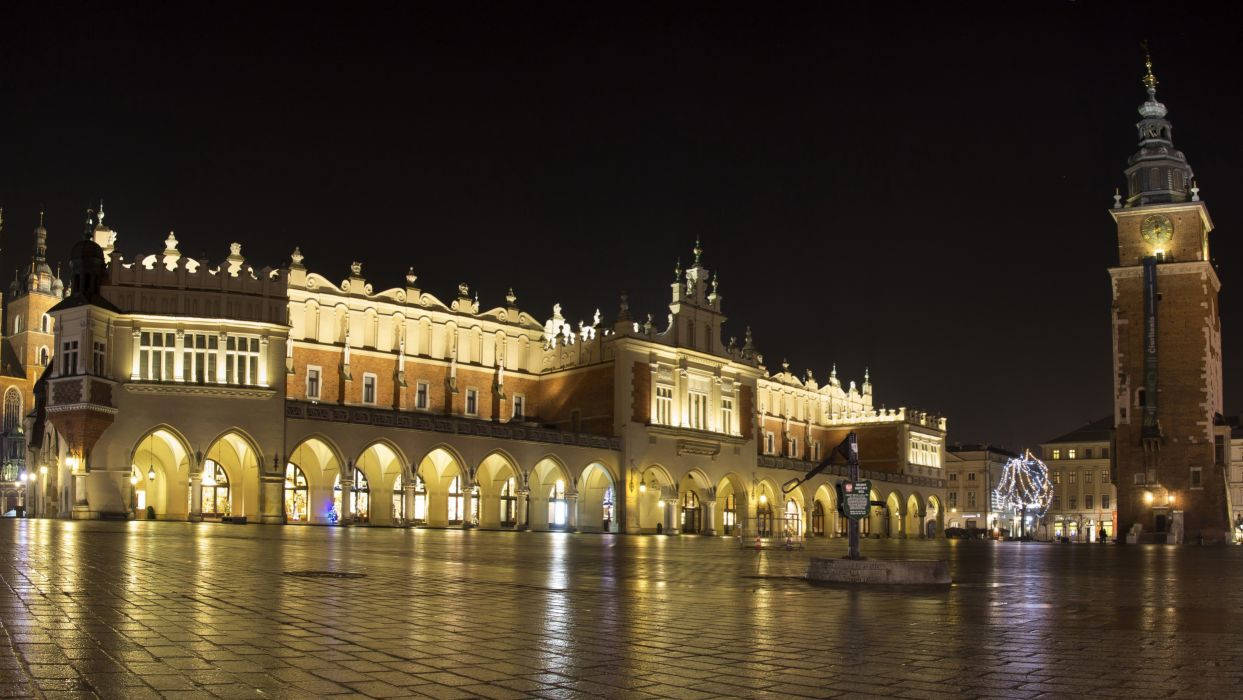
166 609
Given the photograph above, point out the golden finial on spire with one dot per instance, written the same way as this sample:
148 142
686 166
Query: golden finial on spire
1150 80
40 219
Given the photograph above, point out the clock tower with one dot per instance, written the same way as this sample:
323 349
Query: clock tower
1170 443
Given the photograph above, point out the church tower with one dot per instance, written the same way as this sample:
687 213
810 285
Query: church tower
1169 438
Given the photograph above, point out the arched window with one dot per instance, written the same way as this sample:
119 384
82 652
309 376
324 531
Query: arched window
558 507
360 497
17 324
45 324
420 499
764 518
606 508
455 501
794 519
509 504
297 503
729 515
817 519
12 410
399 501
215 490
44 357
690 512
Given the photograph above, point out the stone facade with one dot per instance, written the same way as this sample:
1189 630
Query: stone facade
1085 498
279 395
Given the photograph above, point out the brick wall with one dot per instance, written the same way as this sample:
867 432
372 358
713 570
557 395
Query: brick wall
588 391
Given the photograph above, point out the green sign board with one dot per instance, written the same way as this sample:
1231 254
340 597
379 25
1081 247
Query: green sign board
854 498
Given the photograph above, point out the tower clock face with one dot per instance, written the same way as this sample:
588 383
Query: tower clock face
1157 228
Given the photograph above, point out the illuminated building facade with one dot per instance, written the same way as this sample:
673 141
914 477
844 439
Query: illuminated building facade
184 389
1170 441
1085 499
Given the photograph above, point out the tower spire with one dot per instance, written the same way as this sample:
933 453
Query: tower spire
1158 173
1149 80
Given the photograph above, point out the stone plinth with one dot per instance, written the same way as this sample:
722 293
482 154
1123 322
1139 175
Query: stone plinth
920 572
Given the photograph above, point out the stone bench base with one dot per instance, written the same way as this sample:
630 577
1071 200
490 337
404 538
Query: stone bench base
879 571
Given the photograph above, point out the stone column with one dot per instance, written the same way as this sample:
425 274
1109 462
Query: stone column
347 490
222 340
709 509
671 516
81 508
467 488
196 497
523 494
263 361
571 505
407 498
272 498
135 355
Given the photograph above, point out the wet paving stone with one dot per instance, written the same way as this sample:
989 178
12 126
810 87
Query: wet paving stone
93 609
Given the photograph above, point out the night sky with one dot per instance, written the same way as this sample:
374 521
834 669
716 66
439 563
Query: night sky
895 187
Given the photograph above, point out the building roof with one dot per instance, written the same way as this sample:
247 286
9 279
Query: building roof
980 447
1097 431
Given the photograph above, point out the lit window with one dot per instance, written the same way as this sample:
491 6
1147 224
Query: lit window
215 488
17 324
1057 477
155 359
97 358
312 383
729 516
558 506
241 360
472 402
69 357
199 357
698 409
368 388
455 501
606 509
1070 453
1104 476
399 499
519 407
692 516
359 497
420 396
297 503
509 503
664 405
727 415
1057 454
420 499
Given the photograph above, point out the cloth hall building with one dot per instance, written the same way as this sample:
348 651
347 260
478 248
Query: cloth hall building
186 389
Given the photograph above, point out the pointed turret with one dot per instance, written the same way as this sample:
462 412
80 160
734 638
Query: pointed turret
1158 173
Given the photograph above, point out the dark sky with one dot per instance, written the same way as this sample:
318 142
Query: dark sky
917 189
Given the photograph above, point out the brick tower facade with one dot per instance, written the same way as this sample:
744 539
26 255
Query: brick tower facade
1166 348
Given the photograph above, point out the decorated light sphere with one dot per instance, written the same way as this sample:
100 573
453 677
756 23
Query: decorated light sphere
1025 486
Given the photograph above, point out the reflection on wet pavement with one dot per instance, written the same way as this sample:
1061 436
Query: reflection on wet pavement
170 609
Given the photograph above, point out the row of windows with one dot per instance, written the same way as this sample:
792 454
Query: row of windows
697 409
1195 478
792 451
45 324
314 384
1087 476
205 358
925 452
69 357
1073 453
1072 502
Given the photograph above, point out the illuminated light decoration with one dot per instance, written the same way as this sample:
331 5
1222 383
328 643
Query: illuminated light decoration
1025 487
1148 497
